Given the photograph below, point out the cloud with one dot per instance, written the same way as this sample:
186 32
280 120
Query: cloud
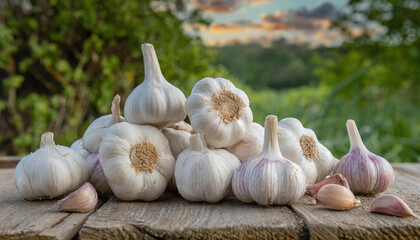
224 6
323 11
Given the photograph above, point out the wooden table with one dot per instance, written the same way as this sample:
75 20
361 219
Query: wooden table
174 218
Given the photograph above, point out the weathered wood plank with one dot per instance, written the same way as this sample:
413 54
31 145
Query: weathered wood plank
9 161
359 223
171 217
21 219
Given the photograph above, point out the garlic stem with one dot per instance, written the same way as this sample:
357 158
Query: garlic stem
115 109
197 142
271 143
152 70
47 140
355 139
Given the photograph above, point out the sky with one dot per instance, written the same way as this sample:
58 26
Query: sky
262 21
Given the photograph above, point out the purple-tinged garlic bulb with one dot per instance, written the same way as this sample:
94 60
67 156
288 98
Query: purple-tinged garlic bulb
83 200
366 173
334 179
269 178
97 176
337 197
391 205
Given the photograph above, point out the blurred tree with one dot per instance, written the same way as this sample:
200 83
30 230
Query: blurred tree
61 62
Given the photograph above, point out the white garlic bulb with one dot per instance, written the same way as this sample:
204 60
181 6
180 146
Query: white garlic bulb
204 174
220 111
179 140
137 161
301 146
97 176
251 144
183 126
78 147
269 178
50 171
92 138
155 101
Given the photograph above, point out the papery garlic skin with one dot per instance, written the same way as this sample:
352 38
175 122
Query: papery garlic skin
155 101
251 144
50 171
366 173
220 111
97 176
92 138
78 147
183 126
204 174
83 200
301 146
269 178
337 197
391 205
334 179
137 161
179 140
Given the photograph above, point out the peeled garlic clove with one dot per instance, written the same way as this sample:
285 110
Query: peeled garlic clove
50 171
204 174
178 141
78 147
92 138
137 161
220 111
82 200
301 146
366 173
334 179
183 126
251 144
97 176
391 205
155 101
269 178
337 197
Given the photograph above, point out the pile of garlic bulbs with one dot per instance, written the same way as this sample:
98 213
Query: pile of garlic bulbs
222 153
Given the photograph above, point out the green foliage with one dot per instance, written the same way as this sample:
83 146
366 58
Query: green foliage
61 62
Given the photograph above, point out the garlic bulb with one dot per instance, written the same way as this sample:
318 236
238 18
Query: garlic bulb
97 176
204 174
155 101
220 111
269 178
178 141
137 161
78 147
92 138
50 171
251 144
337 197
301 146
82 200
183 126
391 205
334 179
365 172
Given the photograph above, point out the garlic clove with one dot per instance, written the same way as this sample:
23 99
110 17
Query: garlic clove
82 200
155 101
97 176
251 144
334 179
391 205
183 126
92 138
337 197
366 173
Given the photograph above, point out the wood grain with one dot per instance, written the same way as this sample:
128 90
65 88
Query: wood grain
171 217
21 219
359 223
9 161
